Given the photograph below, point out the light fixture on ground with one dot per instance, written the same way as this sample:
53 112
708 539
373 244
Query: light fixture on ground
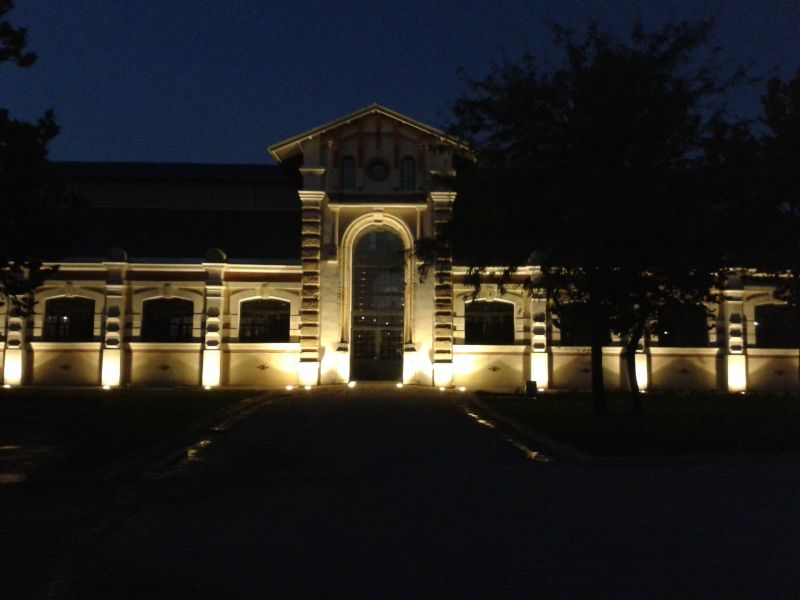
461 388
206 387
306 387
398 385
7 386
289 388
441 389
351 384
106 387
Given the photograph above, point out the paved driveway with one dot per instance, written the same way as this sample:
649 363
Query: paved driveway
384 493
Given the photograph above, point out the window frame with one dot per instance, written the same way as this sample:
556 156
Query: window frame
505 327
59 325
786 330
406 185
263 330
347 173
176 329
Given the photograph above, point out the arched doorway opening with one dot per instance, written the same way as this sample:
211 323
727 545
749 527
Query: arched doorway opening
378 303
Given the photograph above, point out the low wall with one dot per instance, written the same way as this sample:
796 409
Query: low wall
260 365
571 368
68 363
491 368
687 369
773 370
164 364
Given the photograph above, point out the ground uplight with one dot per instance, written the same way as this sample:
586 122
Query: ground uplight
398 385
351 384
289 388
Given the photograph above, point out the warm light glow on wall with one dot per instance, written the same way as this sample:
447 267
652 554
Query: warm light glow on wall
111 370
342 365
540 369
409 367
309 373
464 365
211 368
443 374
12 370
737 373
641 371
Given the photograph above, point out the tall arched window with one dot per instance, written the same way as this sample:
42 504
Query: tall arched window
348 173
408 174
777 326
681 326
489 322
167 320
264 321
68 320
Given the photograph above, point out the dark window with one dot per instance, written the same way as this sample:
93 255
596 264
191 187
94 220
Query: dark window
575 323
68 320
264 321
167 320
777 326
488 322
682 326
348 173
408 174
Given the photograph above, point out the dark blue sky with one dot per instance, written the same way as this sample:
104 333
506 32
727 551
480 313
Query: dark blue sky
192 81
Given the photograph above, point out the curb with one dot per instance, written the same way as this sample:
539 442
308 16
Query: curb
565 452
529 436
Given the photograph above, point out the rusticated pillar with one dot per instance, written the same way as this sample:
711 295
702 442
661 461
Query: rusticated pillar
311 241
443 291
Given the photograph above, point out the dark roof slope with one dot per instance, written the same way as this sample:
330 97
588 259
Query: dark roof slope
163 234
165 211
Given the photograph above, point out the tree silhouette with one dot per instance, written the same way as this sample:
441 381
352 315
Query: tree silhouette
32 199
596 169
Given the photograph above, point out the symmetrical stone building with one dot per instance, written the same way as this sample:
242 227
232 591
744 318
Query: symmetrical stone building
317 283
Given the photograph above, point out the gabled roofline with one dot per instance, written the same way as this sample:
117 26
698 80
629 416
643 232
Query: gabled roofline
276 149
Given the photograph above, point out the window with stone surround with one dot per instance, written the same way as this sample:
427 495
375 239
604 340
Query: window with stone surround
488 322
348 173
777 326
264 321
68 320
167 320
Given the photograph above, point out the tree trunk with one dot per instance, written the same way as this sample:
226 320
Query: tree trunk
598 338
631 344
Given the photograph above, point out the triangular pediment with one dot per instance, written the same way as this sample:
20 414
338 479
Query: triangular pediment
294 145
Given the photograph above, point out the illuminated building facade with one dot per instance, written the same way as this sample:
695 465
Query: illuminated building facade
316 283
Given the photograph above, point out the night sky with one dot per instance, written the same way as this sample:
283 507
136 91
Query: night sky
192 81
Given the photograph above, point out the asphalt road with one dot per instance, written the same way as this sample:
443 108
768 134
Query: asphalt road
384 493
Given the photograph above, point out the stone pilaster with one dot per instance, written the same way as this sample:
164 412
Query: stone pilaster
113 358
15 357
733 328
214 301
540 356
443 291
311 242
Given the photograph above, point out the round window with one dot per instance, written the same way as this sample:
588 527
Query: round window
377 169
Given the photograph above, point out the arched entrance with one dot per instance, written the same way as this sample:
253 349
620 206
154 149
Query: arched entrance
378 301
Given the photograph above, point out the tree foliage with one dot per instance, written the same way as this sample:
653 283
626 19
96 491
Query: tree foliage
599 171
33 201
